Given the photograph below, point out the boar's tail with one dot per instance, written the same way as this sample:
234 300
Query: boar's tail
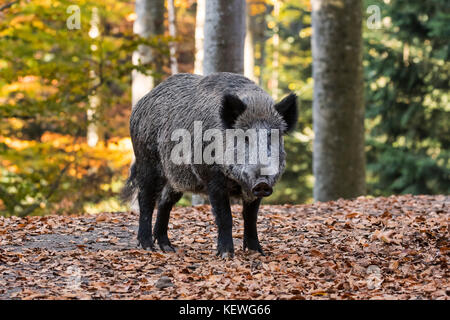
130 188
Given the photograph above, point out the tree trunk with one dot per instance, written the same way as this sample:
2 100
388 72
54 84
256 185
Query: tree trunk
261 38
173 34
276 51
338 107
224 36
92 134
249 48
197 199
149 22
199 36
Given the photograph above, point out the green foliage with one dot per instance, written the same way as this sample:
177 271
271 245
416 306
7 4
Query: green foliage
407 98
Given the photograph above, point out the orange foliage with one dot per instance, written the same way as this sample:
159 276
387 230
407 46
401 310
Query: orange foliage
116 153
257 6
183 3
17 144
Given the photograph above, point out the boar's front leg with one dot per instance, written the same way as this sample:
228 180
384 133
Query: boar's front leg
220 204
250 214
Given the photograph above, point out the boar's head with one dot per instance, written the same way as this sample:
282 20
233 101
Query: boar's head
260 124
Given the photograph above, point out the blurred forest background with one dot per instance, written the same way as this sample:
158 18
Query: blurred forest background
65 95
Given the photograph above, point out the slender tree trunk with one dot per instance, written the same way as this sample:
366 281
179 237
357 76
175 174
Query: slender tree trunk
149 22
249 49
198 65
224 36
276 52
261 38
338 107
199 36
92 134
173 34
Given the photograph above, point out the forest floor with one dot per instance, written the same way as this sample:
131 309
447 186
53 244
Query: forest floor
381 248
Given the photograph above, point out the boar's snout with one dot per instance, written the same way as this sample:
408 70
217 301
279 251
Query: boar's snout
262 189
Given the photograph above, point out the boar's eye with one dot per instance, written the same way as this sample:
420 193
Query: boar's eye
287 108
232 108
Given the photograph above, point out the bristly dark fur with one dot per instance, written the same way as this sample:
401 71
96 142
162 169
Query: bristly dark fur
289 111
219 101
232 108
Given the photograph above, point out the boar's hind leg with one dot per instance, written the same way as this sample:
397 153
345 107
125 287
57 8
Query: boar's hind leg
250 214
149 191
168 199
220 204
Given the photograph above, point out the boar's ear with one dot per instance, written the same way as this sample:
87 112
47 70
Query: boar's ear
287 108
232 108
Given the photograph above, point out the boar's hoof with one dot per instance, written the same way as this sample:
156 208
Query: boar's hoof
146 244
167 247
164 243
226 255
253 246
225 250
261 252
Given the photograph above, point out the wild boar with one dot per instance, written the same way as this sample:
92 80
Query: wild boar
184 135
